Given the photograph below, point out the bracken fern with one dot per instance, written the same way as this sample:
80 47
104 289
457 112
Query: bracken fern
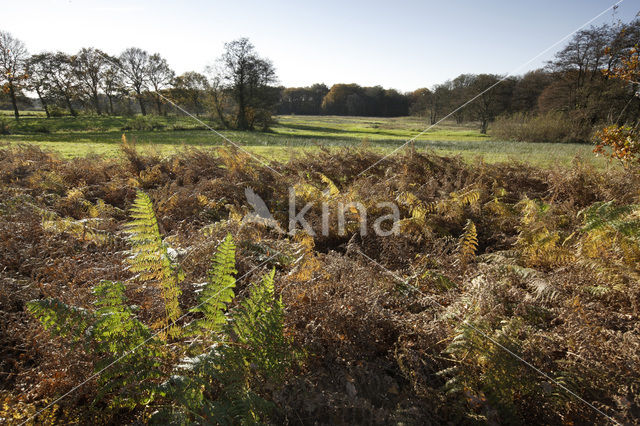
218 291
125 354
222 386
468 243
150 259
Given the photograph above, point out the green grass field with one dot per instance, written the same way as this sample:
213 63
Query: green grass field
291 136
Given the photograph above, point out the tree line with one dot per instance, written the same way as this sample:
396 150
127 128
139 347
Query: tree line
576 83
240 89
343 99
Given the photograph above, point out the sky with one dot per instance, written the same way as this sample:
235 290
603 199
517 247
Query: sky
393 43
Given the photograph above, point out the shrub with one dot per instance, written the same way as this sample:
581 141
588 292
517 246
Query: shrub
620 143
42 128
5 126
144 123
56 111
553 126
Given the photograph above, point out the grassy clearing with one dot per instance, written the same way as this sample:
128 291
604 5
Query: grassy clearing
374 129
290 137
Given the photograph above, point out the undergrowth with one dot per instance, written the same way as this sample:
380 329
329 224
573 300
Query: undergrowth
152 278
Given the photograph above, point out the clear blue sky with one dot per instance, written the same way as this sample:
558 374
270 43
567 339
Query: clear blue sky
394 43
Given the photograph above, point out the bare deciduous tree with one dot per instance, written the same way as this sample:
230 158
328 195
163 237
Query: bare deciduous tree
13 61
39 69
135 66
64 80
159 75
219 96
89 66
248 78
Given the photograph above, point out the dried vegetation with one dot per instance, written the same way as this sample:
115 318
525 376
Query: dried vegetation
543 261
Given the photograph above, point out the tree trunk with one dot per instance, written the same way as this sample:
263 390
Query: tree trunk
241 119
12 93
159 104
484 126
44 104
216 102
96 102
110 104
70 106
196 104
141 102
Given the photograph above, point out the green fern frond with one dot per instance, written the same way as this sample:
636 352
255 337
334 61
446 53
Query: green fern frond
218 292
150 259
254 308
145 239
259 325
111 333
234 371
61 319
621 219
116 330
118 335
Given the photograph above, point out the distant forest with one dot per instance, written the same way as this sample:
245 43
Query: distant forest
576 83
574 90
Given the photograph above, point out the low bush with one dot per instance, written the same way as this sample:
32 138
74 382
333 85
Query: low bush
5 126
57 111
549 127
144 122
42 128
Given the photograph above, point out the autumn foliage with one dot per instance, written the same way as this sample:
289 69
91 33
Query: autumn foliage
619 143
328 329
622 142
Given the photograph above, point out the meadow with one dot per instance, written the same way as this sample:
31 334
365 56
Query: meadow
288 137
